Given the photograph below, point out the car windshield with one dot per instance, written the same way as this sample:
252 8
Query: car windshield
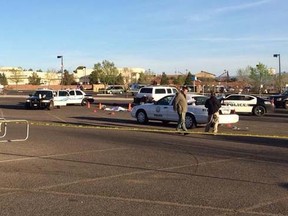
43 93
165 100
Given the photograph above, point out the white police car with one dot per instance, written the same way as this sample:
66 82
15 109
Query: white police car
248 104
162 110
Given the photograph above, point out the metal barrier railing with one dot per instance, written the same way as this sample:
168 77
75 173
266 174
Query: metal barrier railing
3 125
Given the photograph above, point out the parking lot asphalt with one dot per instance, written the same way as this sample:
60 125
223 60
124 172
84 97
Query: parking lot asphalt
86 161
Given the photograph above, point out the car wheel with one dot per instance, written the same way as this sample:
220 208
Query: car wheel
286 105
141 117
259 110
84 102
190 121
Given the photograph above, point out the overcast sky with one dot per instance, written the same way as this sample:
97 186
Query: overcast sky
160 35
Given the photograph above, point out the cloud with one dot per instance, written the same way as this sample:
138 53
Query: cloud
241 6
207 15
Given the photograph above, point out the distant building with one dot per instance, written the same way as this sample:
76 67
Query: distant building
17 74
81 74
205 75
272 71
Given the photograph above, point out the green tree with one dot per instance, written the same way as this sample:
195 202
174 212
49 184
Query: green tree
164 79
68 78
179 80
34 79
3 79
107 72
188 79
146 78
119 79
260 77
94 77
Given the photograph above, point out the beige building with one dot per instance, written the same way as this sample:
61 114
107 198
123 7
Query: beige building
130 75
16 75
206 75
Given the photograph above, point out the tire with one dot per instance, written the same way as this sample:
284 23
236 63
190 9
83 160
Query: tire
190 121
84 102
141 117
286 105
259 111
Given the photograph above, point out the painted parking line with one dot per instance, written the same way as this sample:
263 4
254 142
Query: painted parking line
155 130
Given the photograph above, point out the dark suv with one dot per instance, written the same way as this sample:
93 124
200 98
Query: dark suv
40 99
280 100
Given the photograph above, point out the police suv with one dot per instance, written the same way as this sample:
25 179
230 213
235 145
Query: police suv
248 104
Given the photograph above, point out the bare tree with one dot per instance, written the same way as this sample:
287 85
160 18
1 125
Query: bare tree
51 75
17 76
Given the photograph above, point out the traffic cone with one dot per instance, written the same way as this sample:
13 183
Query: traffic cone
129 107
88 105
100 106
229 125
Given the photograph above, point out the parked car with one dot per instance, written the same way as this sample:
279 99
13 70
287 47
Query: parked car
248 104
134 88
77 96
162 110
115 90
280 100
153 93
47 99
199 100
195 99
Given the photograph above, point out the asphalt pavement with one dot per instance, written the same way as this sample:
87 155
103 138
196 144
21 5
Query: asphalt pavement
86 161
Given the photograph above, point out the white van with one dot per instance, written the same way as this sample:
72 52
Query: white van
153 93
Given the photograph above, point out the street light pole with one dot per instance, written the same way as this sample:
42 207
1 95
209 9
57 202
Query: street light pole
278 55
85 78
62 70
260 76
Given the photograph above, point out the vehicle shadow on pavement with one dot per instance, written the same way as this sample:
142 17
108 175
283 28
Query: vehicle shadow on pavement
283 185
262 141
123 122
14 106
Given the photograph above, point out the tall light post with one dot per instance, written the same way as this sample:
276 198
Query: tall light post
260 76
85 78
62 69
278 55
